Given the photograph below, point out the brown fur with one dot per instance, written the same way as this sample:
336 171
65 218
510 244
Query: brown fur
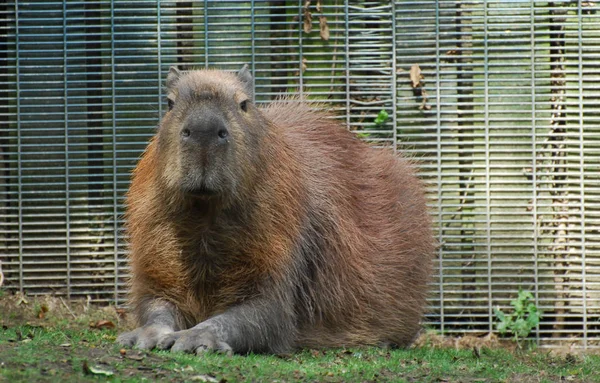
317 222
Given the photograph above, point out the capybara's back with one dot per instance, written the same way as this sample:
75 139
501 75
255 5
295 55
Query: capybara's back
267 229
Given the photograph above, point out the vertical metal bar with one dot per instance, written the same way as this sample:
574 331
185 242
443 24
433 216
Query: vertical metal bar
66 129
534 166
581 172
206 62
438 99
300 53
159 54
394 91
253 47
114 152
487 163
347 60
19 147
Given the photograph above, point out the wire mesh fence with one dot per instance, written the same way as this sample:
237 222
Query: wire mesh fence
497 101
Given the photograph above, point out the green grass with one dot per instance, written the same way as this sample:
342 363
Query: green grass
33 354
55 348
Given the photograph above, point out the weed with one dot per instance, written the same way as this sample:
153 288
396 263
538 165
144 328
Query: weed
524 318
379 121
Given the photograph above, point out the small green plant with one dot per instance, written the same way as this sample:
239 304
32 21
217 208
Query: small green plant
524 318
381 119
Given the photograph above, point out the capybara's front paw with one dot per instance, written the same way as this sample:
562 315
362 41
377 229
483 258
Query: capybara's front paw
145 337
193 341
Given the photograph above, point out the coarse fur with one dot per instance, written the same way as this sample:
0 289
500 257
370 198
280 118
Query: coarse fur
288 233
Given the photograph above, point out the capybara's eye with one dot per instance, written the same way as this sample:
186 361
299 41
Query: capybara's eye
223 133
170 103
244 105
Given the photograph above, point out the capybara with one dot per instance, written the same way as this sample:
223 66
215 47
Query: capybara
267 229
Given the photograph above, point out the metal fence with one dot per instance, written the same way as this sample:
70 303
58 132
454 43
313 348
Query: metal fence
498 101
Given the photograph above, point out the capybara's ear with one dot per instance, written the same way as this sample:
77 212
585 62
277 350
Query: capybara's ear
245 77
172 78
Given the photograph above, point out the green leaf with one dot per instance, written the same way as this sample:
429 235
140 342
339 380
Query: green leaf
499 314
382 117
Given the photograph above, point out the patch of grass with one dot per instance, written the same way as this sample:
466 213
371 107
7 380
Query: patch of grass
78 350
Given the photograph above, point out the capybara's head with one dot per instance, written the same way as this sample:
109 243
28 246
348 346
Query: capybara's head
209 140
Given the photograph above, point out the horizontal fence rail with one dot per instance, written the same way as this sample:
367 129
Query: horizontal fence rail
497 102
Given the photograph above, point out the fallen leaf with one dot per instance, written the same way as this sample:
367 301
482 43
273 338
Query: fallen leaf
102 324
304 64
319 8
307 17
122 313
203 378
424 104
99 371
415 75
95 370
417 85
22 300
323 28
42 312
65 345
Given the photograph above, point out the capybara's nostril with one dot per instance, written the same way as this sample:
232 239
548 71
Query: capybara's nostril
185 133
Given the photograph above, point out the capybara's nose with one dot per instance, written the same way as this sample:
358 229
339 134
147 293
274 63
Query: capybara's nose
204 128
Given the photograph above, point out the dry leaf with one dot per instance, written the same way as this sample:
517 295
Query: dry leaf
323 28
425 97
319 8
415 75
22 300
95 370
304 64
203 378
102 324
121 312
417 85
42 312
307 17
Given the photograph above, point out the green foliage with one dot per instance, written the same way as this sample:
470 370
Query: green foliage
524 318
380 120
382 117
